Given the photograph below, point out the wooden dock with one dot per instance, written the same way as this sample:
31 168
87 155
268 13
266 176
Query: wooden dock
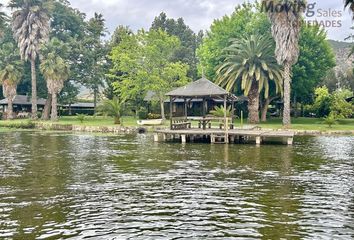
222 136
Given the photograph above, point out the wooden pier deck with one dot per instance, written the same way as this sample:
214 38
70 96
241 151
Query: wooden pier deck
222 136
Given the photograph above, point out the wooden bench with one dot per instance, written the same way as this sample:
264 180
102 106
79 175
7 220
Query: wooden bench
180 124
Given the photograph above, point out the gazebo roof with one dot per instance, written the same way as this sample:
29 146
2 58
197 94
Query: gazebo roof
23 100
201 88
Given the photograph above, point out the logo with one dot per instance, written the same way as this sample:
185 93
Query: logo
326 18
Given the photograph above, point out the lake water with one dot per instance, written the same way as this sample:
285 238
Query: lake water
60 185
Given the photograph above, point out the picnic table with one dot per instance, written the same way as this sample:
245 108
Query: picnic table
204 122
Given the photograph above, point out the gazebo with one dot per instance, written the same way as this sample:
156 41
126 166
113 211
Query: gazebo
201 89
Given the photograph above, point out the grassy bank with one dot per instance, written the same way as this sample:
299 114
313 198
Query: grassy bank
297 123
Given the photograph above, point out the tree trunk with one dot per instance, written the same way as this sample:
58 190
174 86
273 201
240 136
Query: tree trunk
95 99
162 105
70 111
47 107
296 112
10 110
253 104
117 120
34 89
287 92
54 116
265 110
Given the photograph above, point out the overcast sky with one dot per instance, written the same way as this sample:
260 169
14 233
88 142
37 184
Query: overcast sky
198 14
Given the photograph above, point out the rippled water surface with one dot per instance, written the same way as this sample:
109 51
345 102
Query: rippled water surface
58 185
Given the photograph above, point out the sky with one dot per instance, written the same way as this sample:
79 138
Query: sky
199 14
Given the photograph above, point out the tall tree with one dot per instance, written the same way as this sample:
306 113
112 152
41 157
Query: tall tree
315 61
11 69
251 62
186 52
94 56
55 70
120 33
286 19
31 26
246 20
146 62
68 25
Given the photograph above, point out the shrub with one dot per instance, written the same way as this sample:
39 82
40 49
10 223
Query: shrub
81 117
29 124
112 108
154 116
220 111
142 113
330 120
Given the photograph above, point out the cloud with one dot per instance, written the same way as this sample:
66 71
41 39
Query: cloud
198 14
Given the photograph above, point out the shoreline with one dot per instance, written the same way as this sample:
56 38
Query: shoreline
147 129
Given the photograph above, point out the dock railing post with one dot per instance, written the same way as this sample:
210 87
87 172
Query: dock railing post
183 138
156 137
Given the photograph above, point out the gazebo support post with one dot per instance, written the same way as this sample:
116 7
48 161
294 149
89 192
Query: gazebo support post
232 113
204 125
185 109
225 114
171 112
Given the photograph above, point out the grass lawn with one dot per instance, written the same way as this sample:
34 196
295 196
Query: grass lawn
297 123
311 124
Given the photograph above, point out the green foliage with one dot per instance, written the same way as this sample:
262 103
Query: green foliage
81 117
142 113
334 104
330 120
246 20
250 60
315 60
153 116
29 124
340 108
322 102
93 59
220 111
145 59
54 68
185 53
11 66
112 108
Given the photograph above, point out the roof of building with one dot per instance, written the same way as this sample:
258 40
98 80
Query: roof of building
23 100
199 100
201 88
81 105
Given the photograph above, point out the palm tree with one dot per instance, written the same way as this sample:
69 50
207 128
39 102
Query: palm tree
112 108
251 62
10 74
286 26
30 26
56 72
350 4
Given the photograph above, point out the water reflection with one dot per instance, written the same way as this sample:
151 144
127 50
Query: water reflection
82 186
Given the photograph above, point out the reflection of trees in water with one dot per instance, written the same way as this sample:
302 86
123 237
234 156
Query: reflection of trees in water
269 168
41 185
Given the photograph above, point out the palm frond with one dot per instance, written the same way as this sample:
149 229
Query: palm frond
248 60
